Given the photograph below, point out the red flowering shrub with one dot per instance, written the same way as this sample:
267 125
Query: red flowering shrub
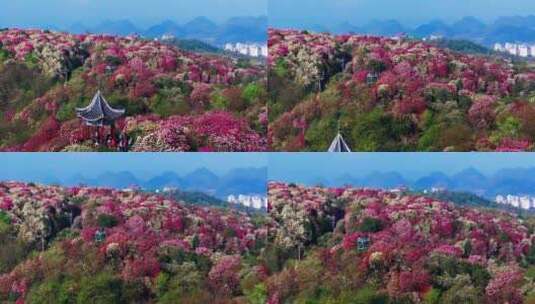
47 132
503 288
213 131
224 275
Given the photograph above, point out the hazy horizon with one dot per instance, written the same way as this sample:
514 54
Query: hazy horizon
63 166
297 167
34 13
329 13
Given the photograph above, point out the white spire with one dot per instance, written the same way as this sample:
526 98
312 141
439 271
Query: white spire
339 144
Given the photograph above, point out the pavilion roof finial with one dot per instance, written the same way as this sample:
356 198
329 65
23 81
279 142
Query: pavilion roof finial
339 144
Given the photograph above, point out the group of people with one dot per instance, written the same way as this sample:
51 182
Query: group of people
121 143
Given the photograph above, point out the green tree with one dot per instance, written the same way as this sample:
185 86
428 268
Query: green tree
252 93
107 221
103 288
370 224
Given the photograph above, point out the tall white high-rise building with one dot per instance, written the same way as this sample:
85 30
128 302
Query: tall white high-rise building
248 49
251 201
524 202
516 49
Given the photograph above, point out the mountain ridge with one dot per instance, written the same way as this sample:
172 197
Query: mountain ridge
515 181
235 29
248 180
504 29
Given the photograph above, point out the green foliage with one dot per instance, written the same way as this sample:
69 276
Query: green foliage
113 61
133 291
20 85
377 66
462 291
67 234
463 46
103 288
66 112
197 198
283 94
432 296
132 107
376 131
430 137
440 265
13 250
258 295
195 45
4 55
530 257
364 295
161 282
219 102
281 68
370 224
508 127
167 106
52 291
316 133
107 221
78 148
31 60
252 93
243 63
275 257
185 279
530 272
4 218
462 199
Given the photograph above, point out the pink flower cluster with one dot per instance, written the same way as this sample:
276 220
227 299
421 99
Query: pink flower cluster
211 131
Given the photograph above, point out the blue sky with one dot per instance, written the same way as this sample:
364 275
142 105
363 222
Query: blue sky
284 13
25 166
60 13
295 167
303 167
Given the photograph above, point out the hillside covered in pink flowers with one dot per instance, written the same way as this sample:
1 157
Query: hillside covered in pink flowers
96 245
174 100
318 245
368 246
395 94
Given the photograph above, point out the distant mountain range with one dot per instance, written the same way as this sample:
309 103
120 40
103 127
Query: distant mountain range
516 181
504 29
236 29
237 181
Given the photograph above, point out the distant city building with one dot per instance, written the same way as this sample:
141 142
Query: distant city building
251 201
435 190
248 49
516 49
433 38
132 188
399 190
167 190
399 36
524 202
167 37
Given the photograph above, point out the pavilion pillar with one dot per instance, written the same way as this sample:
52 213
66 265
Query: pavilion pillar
112 130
